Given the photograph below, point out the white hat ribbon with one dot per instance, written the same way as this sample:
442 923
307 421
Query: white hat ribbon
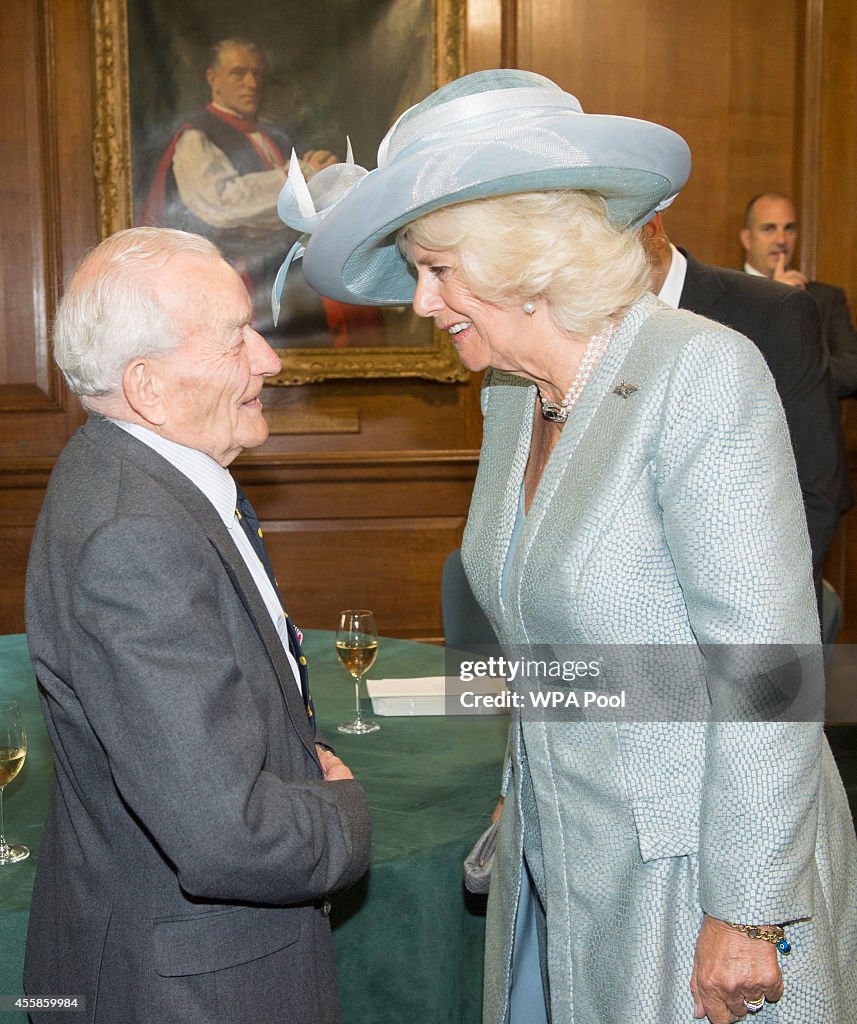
437 119
304 206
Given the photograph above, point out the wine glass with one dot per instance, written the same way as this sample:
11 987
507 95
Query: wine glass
356 648
13 750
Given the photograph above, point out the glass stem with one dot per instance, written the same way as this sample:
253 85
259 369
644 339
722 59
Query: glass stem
4 849
357 698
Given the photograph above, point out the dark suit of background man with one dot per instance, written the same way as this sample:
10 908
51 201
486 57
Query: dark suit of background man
769 237
198 825
783 323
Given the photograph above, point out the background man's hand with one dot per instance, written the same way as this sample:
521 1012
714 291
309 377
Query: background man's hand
793 277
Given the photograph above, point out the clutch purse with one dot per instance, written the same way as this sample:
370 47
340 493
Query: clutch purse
478 863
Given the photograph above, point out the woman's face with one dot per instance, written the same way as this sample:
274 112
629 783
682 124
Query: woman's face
484 334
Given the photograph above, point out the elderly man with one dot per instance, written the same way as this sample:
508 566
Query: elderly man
769 237
783 323
199 824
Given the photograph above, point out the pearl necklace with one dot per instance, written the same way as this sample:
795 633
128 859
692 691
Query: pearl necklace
557 412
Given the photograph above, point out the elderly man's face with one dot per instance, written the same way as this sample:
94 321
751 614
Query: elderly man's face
210 385
772 233
236 82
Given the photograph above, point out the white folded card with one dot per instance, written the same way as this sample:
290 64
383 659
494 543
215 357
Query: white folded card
434 695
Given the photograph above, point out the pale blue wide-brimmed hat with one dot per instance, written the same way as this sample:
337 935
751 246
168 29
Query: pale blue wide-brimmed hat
491 133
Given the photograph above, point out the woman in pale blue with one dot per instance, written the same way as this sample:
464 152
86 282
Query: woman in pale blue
636 487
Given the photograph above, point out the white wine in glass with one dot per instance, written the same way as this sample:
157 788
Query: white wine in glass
357 648
13 751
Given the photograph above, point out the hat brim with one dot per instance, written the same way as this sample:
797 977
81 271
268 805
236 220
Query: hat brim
352 256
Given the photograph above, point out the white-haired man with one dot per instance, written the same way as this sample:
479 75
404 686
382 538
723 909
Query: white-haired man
198 823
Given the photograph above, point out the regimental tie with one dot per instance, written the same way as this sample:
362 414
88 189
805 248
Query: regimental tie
250 525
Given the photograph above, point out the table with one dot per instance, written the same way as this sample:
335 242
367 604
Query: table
408 938
25 803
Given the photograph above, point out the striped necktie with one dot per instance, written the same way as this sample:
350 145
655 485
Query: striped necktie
250 525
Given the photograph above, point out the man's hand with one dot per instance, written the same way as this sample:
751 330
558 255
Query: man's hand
730 967
793 277
315 159
334 768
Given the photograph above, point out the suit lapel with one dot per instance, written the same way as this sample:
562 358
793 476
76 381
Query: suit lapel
103 433
702 289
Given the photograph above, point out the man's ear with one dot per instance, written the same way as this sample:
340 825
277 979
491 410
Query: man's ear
143 386
744 235
653 236
209 76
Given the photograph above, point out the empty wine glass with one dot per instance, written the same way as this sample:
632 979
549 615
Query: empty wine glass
13 751
356 648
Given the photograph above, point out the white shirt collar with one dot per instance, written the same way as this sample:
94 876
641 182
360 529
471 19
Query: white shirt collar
750 269
214 480
671 289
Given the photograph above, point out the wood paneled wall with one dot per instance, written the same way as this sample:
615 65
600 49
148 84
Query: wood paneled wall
764 93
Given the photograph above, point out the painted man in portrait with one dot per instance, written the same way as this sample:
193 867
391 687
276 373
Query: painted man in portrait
220 176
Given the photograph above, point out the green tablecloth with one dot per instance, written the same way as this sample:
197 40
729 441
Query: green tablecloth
25 803
408 938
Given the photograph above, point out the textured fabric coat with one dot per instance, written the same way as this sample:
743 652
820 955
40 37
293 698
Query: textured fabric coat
669 513
191 842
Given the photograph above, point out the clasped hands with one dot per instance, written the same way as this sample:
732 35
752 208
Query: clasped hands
729 968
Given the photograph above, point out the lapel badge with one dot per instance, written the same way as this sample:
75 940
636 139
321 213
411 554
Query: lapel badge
624 390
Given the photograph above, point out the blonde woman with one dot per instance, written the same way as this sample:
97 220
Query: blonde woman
636 487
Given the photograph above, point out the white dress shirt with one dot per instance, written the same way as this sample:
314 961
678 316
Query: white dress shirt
216 483
750 269
671 289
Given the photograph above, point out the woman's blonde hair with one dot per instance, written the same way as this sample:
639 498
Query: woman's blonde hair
558 246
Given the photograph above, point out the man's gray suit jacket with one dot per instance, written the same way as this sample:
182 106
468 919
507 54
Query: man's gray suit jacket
191 842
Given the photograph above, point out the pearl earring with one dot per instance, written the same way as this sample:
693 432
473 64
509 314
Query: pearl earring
529 308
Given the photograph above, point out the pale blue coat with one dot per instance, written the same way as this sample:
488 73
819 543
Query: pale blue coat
669 516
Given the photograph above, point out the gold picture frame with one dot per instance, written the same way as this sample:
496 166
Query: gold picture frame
431 358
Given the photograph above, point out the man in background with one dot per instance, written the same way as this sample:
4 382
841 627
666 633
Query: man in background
784 325
769 237
220 176
198 823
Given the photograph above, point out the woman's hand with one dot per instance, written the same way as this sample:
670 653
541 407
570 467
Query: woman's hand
498 810
730 967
